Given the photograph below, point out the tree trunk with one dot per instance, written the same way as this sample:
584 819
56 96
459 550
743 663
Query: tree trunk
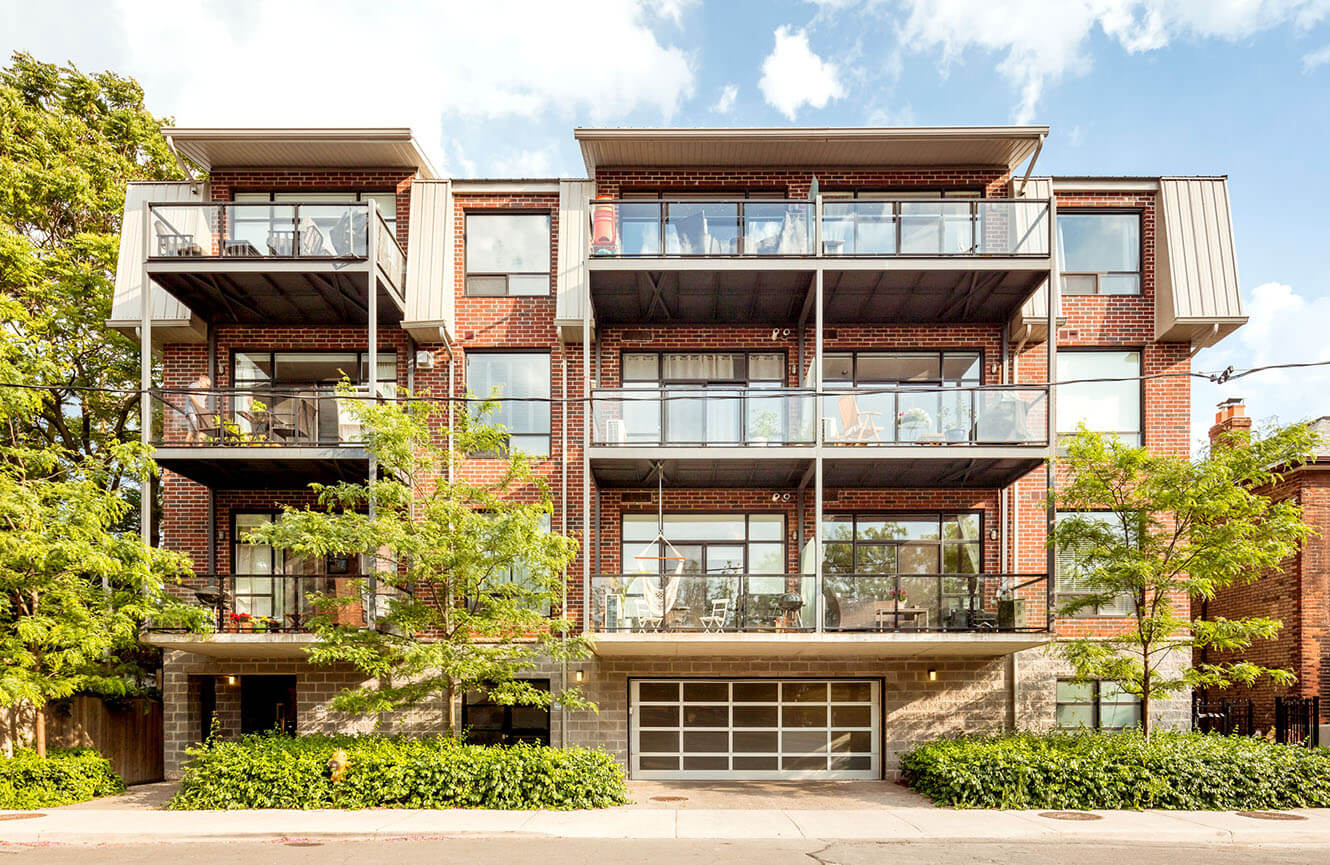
1145 700
450 709
39 737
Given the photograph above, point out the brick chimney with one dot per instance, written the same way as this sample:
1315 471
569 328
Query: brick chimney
1231 416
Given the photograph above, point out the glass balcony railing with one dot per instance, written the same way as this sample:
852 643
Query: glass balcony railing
701 228
272 230
754 603
935 602
276 603
261 417
850 227
703 416
706 603
978 415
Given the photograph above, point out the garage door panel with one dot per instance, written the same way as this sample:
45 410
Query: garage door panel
754 729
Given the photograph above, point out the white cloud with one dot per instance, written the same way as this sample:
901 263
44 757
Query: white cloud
1285 326
1042 41
344 62
728 94
793 76
1316 58
523 163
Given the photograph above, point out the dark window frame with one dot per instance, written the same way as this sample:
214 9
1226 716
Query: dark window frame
1106 349
890 515
507 733
1139 272
1096 612
1096 704
744 542
548 435
467 273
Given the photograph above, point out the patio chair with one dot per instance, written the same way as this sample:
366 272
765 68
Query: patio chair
643 618
857 425
720 612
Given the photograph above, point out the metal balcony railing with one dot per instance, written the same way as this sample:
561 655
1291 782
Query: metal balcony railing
1010 603
992 415
275 603
703 416
715 603
864 227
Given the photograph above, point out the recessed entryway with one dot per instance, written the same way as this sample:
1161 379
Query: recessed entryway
755 729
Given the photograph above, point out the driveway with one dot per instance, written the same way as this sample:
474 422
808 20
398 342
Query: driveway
774 795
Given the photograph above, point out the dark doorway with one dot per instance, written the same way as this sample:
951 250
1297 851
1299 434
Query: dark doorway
488 723
267 703
207 705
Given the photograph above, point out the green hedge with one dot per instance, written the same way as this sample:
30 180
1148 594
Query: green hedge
275 771
60 778
1087 770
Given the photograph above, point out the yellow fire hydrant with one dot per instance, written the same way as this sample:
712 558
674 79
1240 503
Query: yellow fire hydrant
338 765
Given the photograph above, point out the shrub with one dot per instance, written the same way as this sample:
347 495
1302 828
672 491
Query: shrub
60 778
1088 770
277 771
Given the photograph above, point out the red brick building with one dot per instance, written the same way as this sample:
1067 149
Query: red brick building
1297 595
788 387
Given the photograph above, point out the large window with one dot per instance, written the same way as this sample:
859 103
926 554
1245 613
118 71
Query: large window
290 397
275 586
520 383
1106 396
901 396
901 544
1071 576
1100 252
490 723
1096 705
508 254
726 413
326 228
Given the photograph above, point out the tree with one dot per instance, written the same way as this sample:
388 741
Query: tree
1171 530
74 587
465 569
69 142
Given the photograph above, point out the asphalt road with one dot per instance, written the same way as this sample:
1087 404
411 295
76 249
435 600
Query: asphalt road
563 851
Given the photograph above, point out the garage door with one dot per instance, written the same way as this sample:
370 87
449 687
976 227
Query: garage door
748 729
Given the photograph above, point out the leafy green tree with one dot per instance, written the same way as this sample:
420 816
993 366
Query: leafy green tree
69 142
74 587
1172 530
465 568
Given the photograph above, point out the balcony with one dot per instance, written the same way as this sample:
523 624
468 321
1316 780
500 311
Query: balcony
277 263
263 615
269 438
752 260
887 436
866 614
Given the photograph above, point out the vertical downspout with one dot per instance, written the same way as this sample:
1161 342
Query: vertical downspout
563 528
1054 297
1003 559
212 491
145 375
372 361
586 464
818 497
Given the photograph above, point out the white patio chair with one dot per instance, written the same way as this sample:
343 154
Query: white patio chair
643 618
720 611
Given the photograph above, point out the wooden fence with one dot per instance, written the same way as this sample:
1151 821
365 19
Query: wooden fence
128 733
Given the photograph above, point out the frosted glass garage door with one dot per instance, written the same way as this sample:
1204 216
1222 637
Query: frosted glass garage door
749 729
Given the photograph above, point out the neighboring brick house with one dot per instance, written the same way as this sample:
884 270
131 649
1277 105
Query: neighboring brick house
810 489
1297 595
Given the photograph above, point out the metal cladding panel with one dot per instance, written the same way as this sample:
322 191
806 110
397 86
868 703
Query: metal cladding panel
431 296
1034 312
126 303
301 148
1197 274
572 286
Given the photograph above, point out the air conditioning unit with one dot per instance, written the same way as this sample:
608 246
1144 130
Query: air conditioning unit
424 359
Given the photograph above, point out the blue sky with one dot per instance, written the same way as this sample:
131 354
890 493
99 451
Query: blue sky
1236 87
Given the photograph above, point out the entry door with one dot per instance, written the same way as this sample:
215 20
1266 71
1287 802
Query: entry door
267 703
753 729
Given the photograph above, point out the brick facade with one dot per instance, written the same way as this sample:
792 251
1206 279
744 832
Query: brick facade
970 695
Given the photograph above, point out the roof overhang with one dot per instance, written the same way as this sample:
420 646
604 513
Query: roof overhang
1000 146
300 148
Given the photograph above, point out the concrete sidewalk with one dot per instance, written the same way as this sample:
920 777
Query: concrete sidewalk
78 826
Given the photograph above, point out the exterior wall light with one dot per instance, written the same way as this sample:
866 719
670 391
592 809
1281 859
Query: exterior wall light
932 674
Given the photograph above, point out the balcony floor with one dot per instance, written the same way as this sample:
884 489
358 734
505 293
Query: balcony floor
806 645
263 646
264 291
261 468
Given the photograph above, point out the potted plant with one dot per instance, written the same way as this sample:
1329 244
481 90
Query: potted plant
241 622
913 421
766 427
954 424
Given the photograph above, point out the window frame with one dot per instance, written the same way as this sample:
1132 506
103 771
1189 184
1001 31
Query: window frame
548 434
1139 351
747 541
468 273
1097 611
1097 276
941 542
360 195
506 732
1096 704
